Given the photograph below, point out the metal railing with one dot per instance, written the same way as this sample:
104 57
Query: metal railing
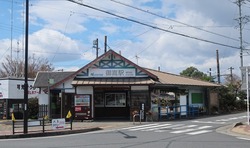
37 126
180 111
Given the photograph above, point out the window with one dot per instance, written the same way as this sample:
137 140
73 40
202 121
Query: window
99 100
197 98
115 99
82 100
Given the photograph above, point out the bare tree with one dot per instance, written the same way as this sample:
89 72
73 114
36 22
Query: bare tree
15 67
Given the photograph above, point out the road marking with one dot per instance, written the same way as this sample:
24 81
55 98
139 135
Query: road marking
242 138
148 127
209 122
184 127
199 132
132 127
189 130
166 127
232 118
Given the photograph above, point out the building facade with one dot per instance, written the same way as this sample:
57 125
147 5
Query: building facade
112 86
12 96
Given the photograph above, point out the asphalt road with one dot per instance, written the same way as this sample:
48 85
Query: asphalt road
197 133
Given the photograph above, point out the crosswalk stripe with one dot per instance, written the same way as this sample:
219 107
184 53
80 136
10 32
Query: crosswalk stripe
183 127
190 129
148 127
138 126
209 122
199 132
166 127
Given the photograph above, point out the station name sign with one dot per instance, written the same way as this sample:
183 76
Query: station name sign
111 72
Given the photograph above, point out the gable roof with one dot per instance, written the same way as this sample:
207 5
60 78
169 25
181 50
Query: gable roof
108 53
43 77
172 79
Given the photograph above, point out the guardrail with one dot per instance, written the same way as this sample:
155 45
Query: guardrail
44 124
180 111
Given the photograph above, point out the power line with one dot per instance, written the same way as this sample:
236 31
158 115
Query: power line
154 27
195 27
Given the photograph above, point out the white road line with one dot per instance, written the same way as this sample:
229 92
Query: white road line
184 127
242 138
137 129
199 132
138 126
189 130
209 122
165 127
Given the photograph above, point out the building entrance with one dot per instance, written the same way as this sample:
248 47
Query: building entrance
111 103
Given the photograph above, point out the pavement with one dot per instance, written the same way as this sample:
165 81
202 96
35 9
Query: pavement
6 128
6 132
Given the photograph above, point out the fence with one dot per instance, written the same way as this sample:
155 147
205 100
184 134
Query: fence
43 111
180 111
39 125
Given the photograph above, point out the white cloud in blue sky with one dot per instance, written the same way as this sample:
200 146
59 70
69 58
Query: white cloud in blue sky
64 32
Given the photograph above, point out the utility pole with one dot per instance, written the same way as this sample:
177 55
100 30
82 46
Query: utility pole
241 20
25 111
231 73
95 45
218 66
105 44
210 72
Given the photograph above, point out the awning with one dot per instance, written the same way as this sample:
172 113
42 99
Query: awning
114 81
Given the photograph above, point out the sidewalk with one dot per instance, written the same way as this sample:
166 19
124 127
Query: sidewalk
77 127
237 129
241 129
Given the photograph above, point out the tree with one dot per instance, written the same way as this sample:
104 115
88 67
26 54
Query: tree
195 73
233 84
15 67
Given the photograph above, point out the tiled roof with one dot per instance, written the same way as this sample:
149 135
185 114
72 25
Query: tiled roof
42 77
114 81
172 79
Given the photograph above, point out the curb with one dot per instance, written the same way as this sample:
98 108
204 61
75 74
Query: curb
32 135
228 130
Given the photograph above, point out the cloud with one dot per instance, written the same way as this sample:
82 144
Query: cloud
53 45
68 30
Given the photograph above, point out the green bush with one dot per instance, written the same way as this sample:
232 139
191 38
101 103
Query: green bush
33 108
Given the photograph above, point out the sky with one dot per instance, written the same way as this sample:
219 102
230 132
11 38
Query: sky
170 34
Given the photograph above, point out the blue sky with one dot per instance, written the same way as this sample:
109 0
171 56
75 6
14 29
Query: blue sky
63 32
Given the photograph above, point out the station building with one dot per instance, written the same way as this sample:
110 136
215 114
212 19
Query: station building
113 87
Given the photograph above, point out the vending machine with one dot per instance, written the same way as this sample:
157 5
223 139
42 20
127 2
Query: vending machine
83 110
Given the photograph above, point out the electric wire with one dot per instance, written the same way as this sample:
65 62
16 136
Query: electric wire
151 26
195 27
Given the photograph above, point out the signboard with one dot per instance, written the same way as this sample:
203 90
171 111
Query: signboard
58 123
82 100
111 72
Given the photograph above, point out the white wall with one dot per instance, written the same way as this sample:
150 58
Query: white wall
84 90
4 89
87 90
9 89
139 87
43 99
195 91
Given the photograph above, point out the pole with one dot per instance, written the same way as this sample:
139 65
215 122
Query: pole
25 112
105 44
247 95
240 23
231 74
218 65
97 48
